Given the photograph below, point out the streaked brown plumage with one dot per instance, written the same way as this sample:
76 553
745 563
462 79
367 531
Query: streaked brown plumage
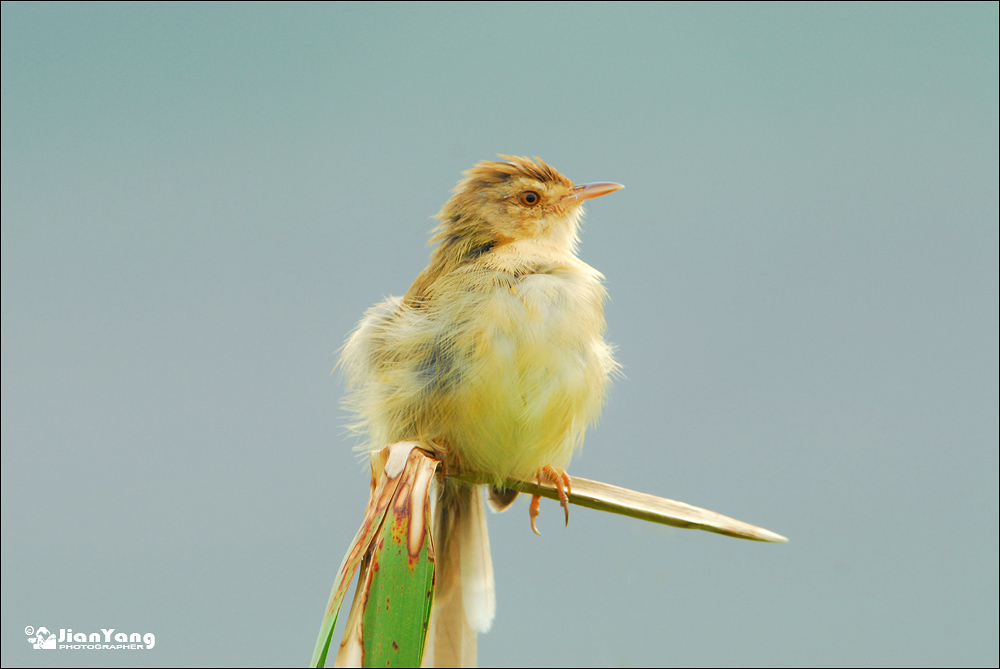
495 358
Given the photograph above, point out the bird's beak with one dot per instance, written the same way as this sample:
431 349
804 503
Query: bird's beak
583 192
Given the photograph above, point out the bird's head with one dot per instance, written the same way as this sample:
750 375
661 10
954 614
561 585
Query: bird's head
516 200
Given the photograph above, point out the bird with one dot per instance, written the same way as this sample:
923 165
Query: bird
495 361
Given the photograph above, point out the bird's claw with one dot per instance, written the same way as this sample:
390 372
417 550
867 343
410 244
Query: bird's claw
563 484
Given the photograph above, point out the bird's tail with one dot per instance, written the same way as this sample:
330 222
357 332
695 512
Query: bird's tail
464 599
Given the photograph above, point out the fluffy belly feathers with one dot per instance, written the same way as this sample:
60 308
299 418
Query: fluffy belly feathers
508 387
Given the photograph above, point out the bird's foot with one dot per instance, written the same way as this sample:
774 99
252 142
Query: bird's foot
560 479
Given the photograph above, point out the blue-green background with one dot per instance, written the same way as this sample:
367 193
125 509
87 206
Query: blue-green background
199 202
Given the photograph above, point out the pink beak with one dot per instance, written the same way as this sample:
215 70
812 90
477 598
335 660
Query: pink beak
583 192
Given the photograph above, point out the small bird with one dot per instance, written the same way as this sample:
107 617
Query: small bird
495 360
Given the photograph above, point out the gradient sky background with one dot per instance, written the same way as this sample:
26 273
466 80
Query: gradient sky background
200 201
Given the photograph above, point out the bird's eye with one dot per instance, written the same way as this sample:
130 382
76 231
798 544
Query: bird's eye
529 198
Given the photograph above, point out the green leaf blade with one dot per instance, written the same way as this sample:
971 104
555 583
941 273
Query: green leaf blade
397 610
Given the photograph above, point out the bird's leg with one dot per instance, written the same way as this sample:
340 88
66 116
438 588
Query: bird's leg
440 450
560 479
445 474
